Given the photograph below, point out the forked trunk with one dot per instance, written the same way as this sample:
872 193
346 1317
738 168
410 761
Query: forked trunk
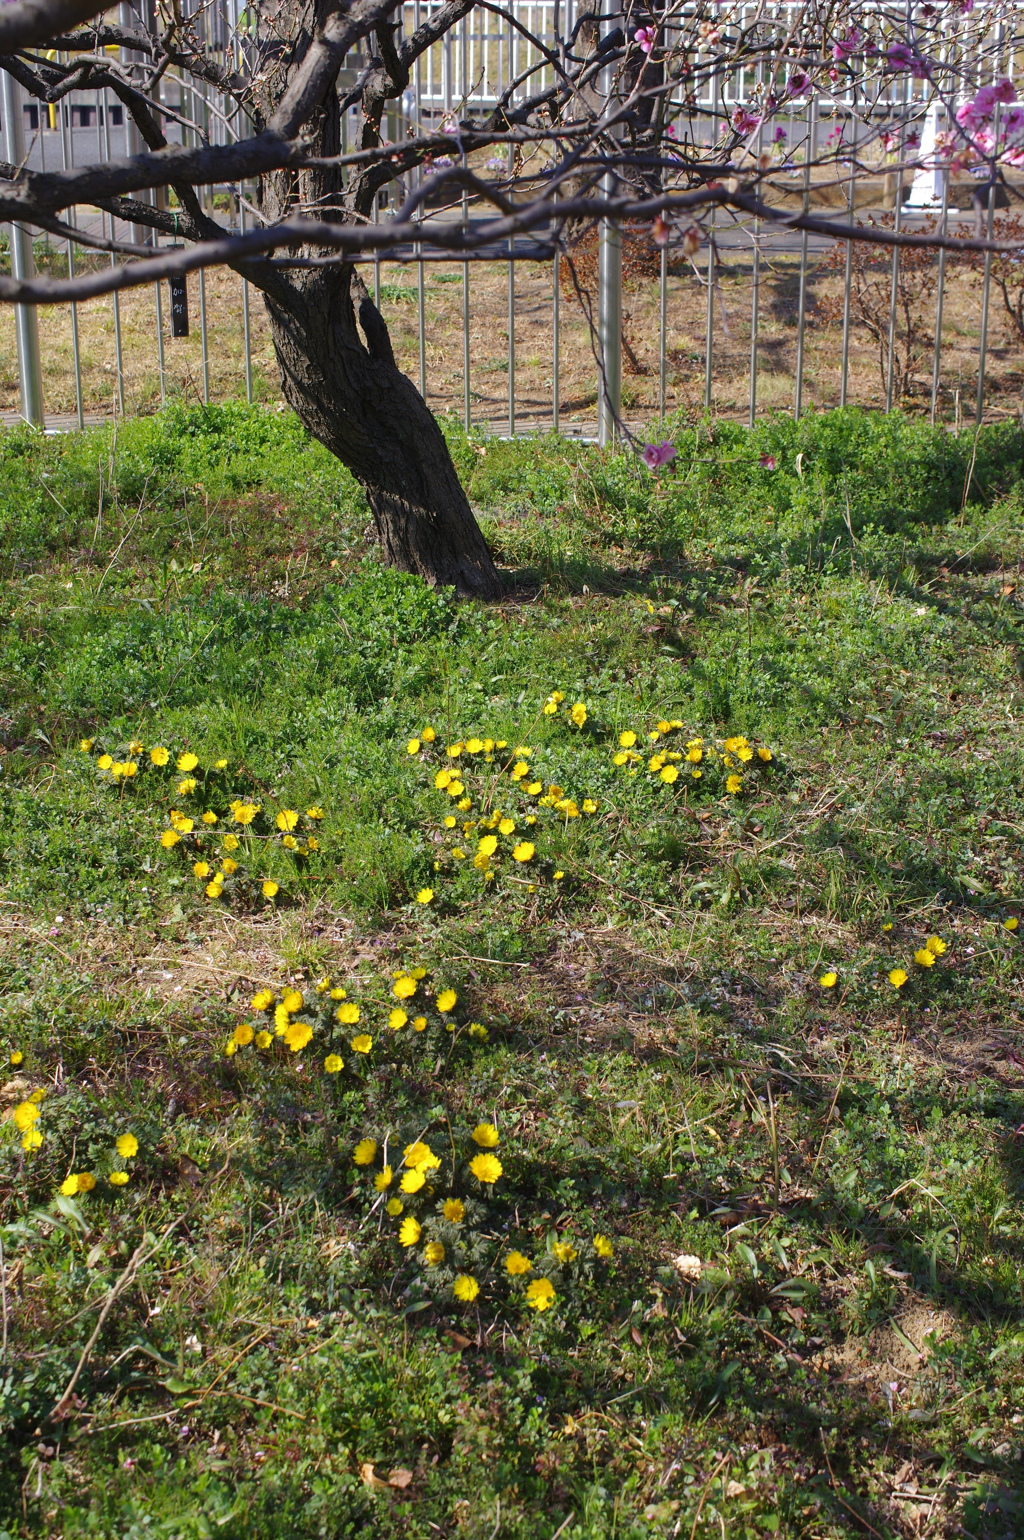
342 381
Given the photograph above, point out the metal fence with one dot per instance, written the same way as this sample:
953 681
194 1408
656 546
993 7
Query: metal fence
759 321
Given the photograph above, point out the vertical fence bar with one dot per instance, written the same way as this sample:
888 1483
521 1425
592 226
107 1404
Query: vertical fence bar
986 288
246 318
755 286
894 293
798 392
939 299
662 333
844 364
26 326
204 341
556 404
709 323
67 160
103 103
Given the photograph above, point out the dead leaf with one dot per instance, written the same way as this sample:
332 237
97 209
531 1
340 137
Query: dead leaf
368 1479
688 1267
735 1489
399 1478
460 1342
636 1336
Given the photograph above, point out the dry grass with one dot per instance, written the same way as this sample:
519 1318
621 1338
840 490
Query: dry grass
533 364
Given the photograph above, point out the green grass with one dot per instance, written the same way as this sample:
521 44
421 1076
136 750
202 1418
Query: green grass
661 1060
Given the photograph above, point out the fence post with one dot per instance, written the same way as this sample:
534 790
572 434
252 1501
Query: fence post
609 291
26 327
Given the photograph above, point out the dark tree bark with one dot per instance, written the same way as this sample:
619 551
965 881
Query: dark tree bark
342 381
338 369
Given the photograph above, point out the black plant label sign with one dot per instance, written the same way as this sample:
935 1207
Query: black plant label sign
179 307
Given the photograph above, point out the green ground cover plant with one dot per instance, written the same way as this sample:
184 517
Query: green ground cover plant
545 1069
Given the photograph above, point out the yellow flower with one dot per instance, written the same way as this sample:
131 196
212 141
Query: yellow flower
347 1014
413 746
269 889
420 1156
764 754
535 788
292 1000
86 744
516 1264
24 1115
410 1231
361 1044
286 820
446 1001
734 783
419 1022
485 1135
118 1178
488 845
187 762
474 746
924 958
897 978
1011 923
453 750
181 823
428 735
231 842
412 1181
433 1253
486 1168
540 1294
627 740
187 786
603 1246
506 826
17 1056
243 1037
549 708
262 1000
404 987
31 1139
135 747
425 896
364 1152
465 1288
263 1039
86 1181
220 764
169 839
229 866
214 889
244 812
524 851
397 1019
579 713
314 812
589 805
128 1145
202 869
104 762
230 1048
519 770
450 822
828 980
298 1035
669 774
454 1210
558 876
382 1181
159 755
339 994
333 1063
282 1020
394 1207
936 946
564 1251
69 1186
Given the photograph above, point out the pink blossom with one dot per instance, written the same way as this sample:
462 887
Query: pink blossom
1004 91
767 462
902 57
645 36
659 232
744 121
847 45
780 136
1013 120
658 454
798 84
965 7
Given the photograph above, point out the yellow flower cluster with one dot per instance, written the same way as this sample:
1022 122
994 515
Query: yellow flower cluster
925 957
498 835
76 1182
736 757
457 1234
25 1118
326 1011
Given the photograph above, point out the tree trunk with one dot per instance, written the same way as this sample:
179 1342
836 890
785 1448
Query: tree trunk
342 381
